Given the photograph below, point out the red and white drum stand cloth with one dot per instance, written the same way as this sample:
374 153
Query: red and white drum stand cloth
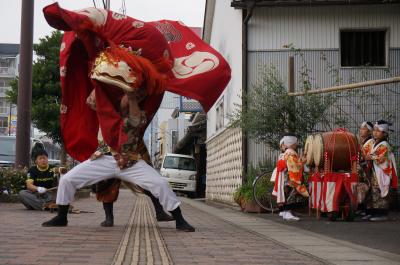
328 190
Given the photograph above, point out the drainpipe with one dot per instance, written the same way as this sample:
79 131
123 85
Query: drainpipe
247 13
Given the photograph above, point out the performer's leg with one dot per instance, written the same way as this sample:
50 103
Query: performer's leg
107 192
86 173
161 215
108 210
149 179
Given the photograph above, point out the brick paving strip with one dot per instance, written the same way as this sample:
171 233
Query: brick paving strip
227 236
142 242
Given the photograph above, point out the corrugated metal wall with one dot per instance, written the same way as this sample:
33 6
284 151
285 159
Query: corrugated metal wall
370 103
318 27
315 30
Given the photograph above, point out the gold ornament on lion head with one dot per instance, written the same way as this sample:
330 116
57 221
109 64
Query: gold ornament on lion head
111 70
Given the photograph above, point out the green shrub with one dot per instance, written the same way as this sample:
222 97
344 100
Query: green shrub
245 192
12 179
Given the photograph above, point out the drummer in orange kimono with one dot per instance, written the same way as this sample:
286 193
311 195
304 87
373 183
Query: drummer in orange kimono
290 191
383 173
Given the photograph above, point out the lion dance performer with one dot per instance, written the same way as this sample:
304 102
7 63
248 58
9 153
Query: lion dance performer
107 191
119 57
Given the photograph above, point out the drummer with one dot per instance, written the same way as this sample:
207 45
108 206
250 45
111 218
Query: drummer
291 191
366 144
383 172
365 132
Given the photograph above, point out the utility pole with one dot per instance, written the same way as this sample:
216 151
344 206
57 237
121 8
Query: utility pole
25 85
108 4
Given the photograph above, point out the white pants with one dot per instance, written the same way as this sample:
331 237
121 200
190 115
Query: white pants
105 167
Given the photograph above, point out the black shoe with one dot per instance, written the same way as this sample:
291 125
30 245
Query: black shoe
185 227
108 210
164 217
60 219
181 223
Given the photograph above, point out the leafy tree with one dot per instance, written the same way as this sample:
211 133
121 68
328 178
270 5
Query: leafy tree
270 111
46 91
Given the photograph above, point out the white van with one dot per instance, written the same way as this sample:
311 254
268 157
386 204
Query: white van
180 170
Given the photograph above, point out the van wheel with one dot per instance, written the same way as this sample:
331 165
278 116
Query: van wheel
192 195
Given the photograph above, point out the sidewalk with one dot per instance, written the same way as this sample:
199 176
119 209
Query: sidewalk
223 236
291 239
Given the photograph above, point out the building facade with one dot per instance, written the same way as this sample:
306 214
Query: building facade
8 72
224 146
334 42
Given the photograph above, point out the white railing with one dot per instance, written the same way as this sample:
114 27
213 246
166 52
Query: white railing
7 71
4 110
4 89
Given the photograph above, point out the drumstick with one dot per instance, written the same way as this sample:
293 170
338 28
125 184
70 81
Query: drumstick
54 188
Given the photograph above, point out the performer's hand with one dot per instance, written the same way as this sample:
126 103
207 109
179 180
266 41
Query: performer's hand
62 170
41 190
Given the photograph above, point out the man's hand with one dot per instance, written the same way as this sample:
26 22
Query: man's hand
91 100
303 159
41 190
369 157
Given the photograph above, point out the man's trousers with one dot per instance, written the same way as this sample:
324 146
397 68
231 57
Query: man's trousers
105 167
34 200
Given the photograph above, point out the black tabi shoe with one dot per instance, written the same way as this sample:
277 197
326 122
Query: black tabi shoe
60 219
164 217
185 227
181 223
108 210
161 215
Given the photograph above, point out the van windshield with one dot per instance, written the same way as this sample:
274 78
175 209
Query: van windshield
182 163
7 149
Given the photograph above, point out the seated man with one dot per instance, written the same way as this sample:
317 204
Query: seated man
40 177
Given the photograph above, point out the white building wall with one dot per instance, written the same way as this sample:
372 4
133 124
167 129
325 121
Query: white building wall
226 38
270 28
224 146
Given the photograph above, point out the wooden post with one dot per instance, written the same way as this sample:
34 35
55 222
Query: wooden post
24 100
292 116
348 86
291 74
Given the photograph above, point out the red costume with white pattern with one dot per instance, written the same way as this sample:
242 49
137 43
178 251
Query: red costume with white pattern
191 67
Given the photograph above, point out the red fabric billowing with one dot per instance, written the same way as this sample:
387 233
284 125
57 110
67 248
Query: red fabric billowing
206 87
202 73
79 123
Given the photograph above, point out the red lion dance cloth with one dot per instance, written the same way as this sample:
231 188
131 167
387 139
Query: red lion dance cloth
140 51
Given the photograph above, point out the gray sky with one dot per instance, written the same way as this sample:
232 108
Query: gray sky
191 12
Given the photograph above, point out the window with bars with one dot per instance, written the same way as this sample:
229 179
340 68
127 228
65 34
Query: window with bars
363 47
4 122
174 139
220 115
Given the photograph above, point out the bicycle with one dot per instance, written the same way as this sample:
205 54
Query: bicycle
262 192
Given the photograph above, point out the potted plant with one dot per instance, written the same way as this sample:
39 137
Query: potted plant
243 195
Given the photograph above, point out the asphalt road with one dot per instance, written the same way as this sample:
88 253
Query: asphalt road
380 235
